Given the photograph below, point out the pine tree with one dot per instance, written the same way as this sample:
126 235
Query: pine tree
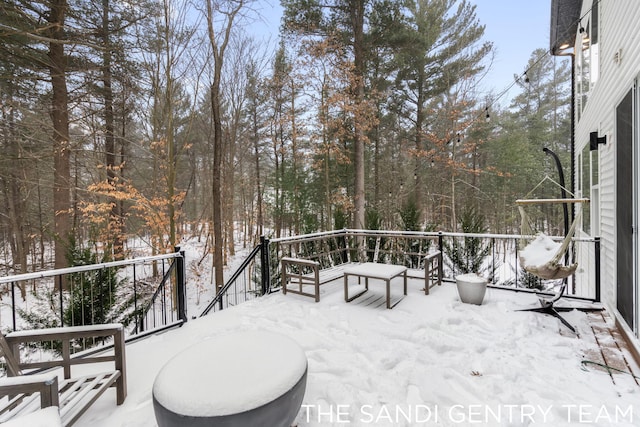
440 48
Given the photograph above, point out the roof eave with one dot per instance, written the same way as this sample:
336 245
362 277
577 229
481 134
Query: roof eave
565 16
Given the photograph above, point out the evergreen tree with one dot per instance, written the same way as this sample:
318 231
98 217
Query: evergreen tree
92 294
441 47
467 254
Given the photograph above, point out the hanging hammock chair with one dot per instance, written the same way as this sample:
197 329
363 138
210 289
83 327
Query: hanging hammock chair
542 255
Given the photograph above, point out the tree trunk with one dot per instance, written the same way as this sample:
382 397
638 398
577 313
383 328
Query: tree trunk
61 144
294 148
115 220
171 156
228 192
359 138
420 118
218 259
15 208
256 149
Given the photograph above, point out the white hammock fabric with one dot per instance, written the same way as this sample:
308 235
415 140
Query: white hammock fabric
541 257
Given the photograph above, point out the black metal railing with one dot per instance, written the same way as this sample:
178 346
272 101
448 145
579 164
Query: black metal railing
144 294
496 256
149 293
250 280
168 304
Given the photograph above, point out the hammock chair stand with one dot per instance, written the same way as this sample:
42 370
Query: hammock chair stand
552 269
549 309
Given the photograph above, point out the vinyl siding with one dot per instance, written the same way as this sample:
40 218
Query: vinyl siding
618 33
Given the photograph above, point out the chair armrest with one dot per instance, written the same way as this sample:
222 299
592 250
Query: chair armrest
45 384
298 261
436 254
88 331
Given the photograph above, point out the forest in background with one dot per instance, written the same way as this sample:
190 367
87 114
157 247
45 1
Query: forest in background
166 119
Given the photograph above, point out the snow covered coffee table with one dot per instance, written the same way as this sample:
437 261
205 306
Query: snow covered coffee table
249 378
372 270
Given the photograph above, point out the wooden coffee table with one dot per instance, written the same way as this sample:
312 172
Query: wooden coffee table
372 270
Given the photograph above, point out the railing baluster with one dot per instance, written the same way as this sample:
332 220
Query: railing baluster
61 300
13 304
164 302
597 268
139 328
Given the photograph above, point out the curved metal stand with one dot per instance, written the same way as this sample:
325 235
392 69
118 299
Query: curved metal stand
547 307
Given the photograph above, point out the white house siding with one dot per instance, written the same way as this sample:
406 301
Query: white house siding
586 272
618 32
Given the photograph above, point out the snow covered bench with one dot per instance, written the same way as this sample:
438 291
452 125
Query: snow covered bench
298 274
73 395
242 379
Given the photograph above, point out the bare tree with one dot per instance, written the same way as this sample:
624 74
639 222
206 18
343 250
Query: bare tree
221 18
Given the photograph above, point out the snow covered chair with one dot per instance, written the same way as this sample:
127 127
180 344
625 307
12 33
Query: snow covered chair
73 395
541 256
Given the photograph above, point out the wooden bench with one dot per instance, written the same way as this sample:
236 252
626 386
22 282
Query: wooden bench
298 273
73 396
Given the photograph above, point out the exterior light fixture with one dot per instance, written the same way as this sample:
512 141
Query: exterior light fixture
595 141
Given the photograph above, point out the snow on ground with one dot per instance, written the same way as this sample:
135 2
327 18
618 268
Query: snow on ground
431 360
47 417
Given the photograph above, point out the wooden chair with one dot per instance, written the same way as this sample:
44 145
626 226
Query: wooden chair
432 271
299 274
74 395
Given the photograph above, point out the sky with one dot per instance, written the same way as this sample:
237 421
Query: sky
515 27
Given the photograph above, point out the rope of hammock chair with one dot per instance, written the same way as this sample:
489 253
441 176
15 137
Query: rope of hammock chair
528 201
548 178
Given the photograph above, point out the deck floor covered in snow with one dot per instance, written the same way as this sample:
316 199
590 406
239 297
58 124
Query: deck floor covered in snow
431 360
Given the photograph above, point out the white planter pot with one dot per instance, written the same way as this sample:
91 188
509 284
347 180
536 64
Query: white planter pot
471 288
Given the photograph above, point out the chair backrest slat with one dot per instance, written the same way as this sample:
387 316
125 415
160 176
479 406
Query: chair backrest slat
12 364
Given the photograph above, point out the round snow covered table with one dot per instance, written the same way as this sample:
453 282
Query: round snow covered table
252 378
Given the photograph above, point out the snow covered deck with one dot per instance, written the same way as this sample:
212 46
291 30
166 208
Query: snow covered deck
431 361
